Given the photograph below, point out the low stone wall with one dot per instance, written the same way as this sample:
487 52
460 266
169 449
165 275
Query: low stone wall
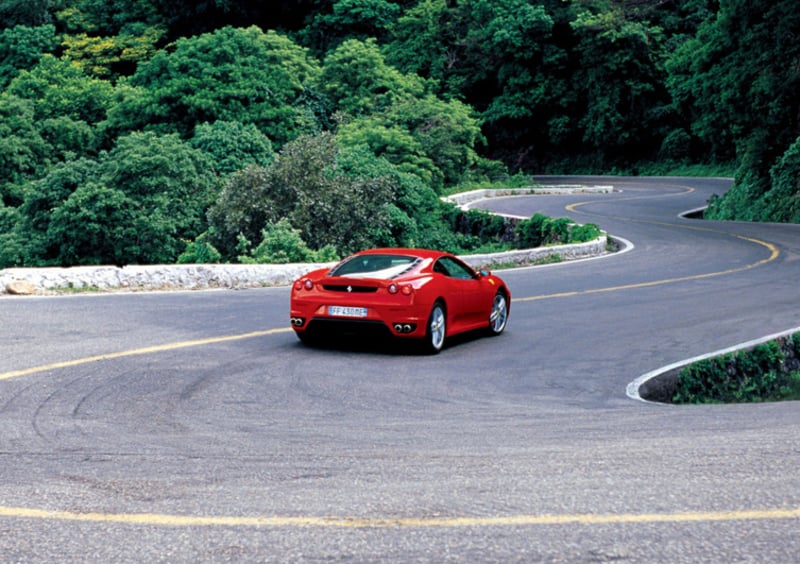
151 277
464 199
531 256
26 281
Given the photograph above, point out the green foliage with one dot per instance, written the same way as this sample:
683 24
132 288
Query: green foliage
530 232
200 251
413 97
331 196
237 75
447 131
247 204
108 57
393 143
584 233
135 204
349 19
739 79
283 244
21 47
109 17
24 12
22 149
768 372
59 88
540 230
623 83
358 80
782 201
97 225
233 146
12 245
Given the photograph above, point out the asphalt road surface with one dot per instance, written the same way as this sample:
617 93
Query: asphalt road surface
193 426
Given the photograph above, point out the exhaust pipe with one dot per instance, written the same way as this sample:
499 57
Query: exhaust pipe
297 321
404 328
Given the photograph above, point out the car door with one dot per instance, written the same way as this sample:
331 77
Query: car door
468 307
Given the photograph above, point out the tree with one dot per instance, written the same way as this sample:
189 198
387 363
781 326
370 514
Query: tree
782 201
394 143
58 87
232 145
282 244
112 56
25 12
740 82
21 47
349 19
319 188
622 85
503 58
244 207
134 204
22 149
237 75
97 225
448 131
357 79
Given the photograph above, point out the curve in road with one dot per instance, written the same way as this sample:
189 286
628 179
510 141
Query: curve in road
467 450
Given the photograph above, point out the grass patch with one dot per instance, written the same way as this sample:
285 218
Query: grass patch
768 372
71 288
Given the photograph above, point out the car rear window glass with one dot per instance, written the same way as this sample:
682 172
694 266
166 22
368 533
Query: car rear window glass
375 266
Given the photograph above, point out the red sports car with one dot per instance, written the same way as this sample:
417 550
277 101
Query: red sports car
409 293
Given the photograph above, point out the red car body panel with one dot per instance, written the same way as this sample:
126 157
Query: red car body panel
395 291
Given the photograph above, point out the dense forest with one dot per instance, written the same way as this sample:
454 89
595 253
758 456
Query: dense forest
155 131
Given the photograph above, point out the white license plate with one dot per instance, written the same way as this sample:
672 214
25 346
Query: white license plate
341 311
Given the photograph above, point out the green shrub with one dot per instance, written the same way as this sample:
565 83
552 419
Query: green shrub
556 230
764 373
584 233
200 251
530 232
283 244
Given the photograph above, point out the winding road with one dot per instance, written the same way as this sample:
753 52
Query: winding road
193 426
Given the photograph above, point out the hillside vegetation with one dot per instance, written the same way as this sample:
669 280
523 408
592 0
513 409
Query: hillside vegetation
147 131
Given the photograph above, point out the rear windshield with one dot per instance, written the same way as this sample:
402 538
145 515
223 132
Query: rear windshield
375 266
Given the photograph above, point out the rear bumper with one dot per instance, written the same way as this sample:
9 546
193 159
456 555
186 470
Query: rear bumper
403 322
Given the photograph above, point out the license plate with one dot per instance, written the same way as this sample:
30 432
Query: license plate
341 311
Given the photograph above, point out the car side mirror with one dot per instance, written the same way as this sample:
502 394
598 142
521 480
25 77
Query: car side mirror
483 272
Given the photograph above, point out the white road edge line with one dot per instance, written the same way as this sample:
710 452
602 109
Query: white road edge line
632 390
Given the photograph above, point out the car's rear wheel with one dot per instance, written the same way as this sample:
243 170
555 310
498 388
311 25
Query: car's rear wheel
307 338
436 329
498 318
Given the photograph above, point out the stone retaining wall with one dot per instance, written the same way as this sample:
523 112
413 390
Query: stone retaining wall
464 199
206 276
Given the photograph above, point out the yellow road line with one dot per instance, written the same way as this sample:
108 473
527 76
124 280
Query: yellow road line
141 351
774 253
164 520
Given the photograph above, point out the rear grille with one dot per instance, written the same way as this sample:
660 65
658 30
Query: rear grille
350 288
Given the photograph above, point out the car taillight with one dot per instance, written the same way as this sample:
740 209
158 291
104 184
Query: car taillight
303 283
308 284
404 289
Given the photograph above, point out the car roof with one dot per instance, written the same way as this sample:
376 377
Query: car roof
421 253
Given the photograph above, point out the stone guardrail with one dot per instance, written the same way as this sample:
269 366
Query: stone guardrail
464 199
56 280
